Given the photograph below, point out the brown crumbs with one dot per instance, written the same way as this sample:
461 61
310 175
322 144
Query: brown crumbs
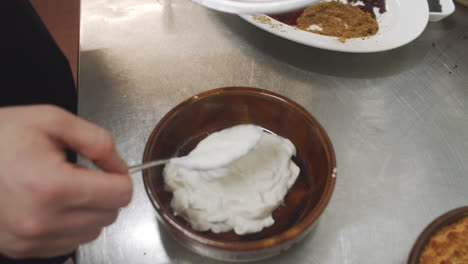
337 19
449 245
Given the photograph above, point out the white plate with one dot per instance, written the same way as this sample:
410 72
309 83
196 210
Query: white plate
448 7
255 6
404 21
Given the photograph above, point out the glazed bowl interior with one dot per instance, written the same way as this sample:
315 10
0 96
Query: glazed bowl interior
192 120
432 229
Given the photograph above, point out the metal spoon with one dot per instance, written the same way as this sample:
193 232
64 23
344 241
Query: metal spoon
215 151
146 165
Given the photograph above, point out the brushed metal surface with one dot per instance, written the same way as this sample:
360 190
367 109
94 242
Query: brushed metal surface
398 120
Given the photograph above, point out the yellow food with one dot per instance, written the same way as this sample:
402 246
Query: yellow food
448 246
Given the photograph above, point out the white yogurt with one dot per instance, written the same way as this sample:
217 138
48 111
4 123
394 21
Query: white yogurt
221 148
244 187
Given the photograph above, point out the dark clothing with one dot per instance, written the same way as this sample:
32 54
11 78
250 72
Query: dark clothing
33 70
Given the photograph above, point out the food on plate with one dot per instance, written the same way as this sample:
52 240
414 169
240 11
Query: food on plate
336 19
449 245
240 195
289 18
355 19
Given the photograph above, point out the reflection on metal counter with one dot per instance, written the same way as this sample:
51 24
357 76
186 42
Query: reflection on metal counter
398 120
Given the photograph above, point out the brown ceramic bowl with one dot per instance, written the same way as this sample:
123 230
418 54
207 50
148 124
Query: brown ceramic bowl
432 229
463 2
184 126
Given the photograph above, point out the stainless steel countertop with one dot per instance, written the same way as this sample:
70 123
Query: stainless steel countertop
398 120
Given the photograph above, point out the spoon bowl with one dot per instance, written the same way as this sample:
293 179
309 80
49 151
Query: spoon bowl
215 151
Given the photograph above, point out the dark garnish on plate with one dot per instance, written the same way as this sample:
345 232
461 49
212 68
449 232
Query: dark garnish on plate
369 6
434 6
289 18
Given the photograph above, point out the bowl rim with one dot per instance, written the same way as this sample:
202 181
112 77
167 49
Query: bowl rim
302 226
443 220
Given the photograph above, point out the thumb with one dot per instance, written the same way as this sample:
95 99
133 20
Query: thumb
85 138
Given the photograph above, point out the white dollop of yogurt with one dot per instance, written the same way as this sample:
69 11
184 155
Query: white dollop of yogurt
221 148
240 188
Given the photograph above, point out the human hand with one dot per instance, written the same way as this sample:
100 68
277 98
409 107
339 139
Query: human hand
49 206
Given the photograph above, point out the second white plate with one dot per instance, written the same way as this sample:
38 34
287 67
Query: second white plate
403 22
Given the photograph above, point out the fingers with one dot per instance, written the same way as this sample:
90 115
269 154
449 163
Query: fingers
45 248
99 190
65 245
51 244
51 205
76 222
74 228
69 186
89 140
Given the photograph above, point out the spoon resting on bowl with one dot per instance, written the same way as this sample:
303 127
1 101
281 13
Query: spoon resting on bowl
215 151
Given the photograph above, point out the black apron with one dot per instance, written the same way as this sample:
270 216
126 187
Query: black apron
33 70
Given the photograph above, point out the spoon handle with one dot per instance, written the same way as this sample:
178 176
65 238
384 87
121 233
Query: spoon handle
146 165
